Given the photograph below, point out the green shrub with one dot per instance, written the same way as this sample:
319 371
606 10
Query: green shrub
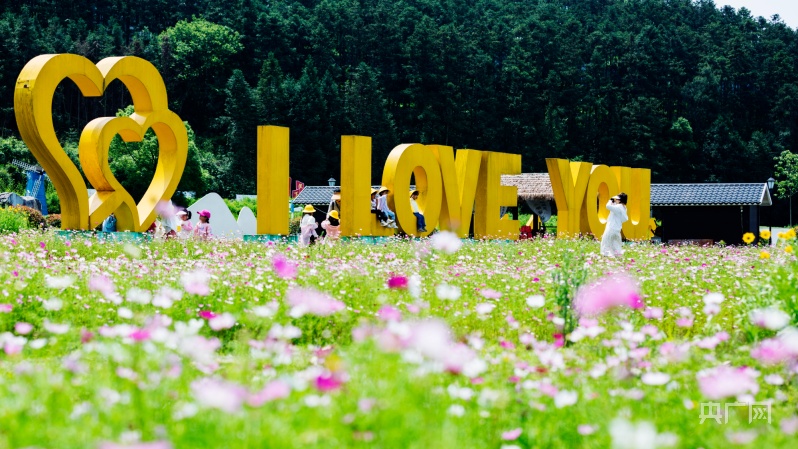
235 206
12 220
293 225
34 217
53 221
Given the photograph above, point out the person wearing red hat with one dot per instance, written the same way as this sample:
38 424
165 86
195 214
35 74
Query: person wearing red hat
203 229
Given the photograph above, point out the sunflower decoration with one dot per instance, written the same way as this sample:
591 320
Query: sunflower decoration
765 234
749 237
788 249
764 255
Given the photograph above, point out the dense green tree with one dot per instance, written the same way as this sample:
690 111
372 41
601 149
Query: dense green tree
693 91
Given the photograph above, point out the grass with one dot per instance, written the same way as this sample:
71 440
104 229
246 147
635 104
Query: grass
76 390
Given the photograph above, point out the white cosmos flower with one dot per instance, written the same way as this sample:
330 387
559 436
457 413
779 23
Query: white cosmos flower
770 318
58 282
448 292
655 378
536 301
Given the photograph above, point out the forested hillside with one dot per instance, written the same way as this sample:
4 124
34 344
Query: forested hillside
694 92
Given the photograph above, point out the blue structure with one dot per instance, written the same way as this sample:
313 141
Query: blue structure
35 186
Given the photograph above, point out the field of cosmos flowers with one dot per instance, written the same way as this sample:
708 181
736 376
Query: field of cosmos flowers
432 343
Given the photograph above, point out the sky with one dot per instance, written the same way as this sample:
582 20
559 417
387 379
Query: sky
787 9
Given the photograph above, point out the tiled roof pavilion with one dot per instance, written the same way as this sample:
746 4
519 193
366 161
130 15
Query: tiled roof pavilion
721 194
538 186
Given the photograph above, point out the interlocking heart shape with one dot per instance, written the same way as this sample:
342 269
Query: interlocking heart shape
33 98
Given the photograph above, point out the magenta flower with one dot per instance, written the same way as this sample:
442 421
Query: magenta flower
511 434
309 301
284 268
397 282
206 314
325 383
140 335
6 308
727 381
606 293
274 390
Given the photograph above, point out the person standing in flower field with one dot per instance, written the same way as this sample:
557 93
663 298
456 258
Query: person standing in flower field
307 233
332 226
611 240
184 228
203 229
421 224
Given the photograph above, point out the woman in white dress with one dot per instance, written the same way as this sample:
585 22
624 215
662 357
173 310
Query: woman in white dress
307 233
611 240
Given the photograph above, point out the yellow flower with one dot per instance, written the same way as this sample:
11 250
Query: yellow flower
748 237
790 234
788 249
764 234
782 236
764 255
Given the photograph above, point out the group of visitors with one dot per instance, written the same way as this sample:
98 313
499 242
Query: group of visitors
177 226
308 227
387 217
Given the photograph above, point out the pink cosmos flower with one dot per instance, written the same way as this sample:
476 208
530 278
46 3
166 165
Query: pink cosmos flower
23 328
196 282
215 393
276 389
221 322
6 308
326 383
166 210
489 293
789 426
102 284
600 296
511 434
308 300
653 313
284 268
389 313
397 282
773 351
727 381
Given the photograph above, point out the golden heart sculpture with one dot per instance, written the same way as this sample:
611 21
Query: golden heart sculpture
33 98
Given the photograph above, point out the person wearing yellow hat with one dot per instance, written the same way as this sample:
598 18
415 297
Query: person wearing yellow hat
332 227
421 224
307 234
389 219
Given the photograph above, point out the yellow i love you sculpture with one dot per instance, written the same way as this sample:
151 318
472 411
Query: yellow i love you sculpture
33 98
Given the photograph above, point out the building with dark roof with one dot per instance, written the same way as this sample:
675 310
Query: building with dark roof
708 212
